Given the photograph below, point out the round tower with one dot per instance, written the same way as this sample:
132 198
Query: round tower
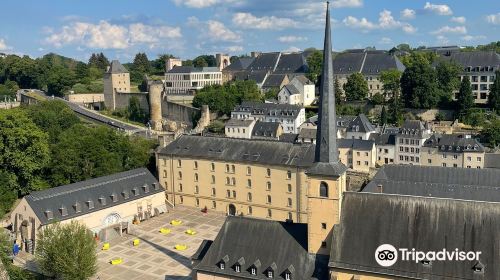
155 92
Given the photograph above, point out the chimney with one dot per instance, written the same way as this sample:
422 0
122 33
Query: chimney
380 189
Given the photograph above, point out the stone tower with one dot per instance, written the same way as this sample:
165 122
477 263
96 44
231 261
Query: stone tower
155 98
327 176
171 63
116 79
223 60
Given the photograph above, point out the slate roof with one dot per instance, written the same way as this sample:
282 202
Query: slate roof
308 133
348 62
365 62
342 121
257 76
263 244
192 69
274 80
360 124
265 61
67 196
241 150
291 63
266 129
303 80
269 109
116 68
292 89
491 160
239 64
356 144
412 129
426 224
239 122
475 58
288 137
383 139
457 143
443 182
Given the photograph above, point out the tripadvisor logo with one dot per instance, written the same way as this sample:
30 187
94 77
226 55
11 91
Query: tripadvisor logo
387 255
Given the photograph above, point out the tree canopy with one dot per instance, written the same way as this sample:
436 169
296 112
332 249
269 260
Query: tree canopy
465 99
356 87
494 96
419 86
314 65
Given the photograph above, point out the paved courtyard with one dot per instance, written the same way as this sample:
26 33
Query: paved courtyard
156 257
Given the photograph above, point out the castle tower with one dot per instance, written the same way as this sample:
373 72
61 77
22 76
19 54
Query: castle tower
171 63
327 176
223 60
116 79
155 98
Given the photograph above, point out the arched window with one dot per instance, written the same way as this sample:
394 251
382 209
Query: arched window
228 181
213 179
196 177
180 175
289 174
249 196
268 172
268 186
323 189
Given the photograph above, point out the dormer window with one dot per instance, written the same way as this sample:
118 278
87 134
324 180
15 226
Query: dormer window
253 270
426 262
114 197
288 276
222 265
145 188
270 271
63 210
270 274
125 194
102 200
49 215
135 191
155 186
90 204
478 267
237 268
78 207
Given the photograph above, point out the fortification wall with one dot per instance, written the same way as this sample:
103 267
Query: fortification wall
122 100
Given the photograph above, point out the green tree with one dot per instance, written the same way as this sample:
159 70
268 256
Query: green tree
491 133
158 64
14 272
377 99
136 113
216 126
356 87
200 62
60 80
271 94
82 73
383 116
494 96
24 151
465 99
391 82
53 117
140 67
419 86
314 65
339 93
67 251
395 115
99 61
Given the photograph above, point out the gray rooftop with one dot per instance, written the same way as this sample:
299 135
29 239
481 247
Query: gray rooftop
443 182
239 122
475 58
413 129
116 68
123 187
456 143
258 76
262 244
356 144
426 224
383 139
269 109
360 124
191 69
266 129
265 61
239 64
366 62
274 81
292 63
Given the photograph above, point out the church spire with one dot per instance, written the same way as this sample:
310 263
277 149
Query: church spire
326 135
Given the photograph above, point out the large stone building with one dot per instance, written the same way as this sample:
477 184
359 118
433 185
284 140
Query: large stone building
289 116
409 141
369 63
264 179
480 67
452 150
300 91
185 80
116 80
106 205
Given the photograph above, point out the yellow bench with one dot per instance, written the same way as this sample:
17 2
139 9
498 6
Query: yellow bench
165 230
180 247
175 222
135 242
116 261
190 232
105 246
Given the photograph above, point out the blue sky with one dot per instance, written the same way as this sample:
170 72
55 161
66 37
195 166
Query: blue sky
187 28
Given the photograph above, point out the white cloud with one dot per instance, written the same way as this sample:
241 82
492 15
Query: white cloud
105 35
249 21
473 38
448 29
347 3
4 46
234 49
493 19
458 19
408 14
385 41
442 40
443 10
292 49
196 3
217 31
385 21
291 39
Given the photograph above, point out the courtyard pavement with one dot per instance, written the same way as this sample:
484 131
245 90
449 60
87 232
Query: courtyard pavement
156 257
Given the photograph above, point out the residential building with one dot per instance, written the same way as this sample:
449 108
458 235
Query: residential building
289 116
385 144
409 141
367 62
106 205
358 155
359 128
185 80
267 130
300 91
480 67
271 180
236 128
453 150
275 82
238 65
420 223
307 133
116 80
279 251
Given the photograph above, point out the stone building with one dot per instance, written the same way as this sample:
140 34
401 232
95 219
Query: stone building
409 141
453 150
270 180
237 128
116 80
359 128
300 91
106 205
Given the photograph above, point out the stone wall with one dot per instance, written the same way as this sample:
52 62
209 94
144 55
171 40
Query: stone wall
122 100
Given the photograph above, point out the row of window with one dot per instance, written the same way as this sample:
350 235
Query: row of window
407 141
409 150
230 168
269 273
232 182
409 159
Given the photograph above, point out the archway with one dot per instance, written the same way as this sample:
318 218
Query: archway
231 210
112 219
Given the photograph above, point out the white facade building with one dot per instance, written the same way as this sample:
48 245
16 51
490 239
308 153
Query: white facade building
300 91
184 80
239 128
409 142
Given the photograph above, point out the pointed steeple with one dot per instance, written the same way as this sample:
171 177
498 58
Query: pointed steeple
326 135
326 157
